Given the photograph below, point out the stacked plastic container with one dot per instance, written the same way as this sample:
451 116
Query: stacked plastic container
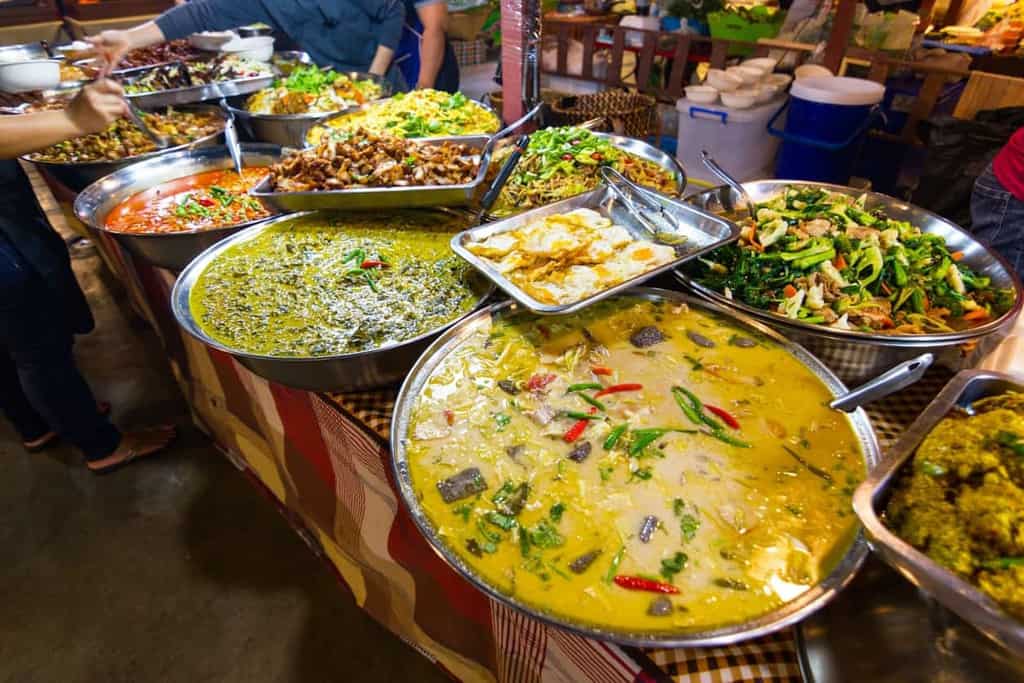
728 116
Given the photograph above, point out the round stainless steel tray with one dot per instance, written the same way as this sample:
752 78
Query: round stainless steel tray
173 250
289 130
345 372
77 176
857 356
785 615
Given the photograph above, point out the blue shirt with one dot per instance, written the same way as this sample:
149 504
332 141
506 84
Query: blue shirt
344 34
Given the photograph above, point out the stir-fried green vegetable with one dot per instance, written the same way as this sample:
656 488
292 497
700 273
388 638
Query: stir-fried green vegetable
822 258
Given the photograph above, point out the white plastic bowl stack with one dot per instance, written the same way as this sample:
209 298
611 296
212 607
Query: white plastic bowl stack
32 74
741 87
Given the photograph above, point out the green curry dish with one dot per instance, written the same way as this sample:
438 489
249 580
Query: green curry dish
823 258
961 500
327 284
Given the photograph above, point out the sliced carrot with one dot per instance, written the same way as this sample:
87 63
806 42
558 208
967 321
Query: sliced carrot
958 256
789 291
976 314
839 262
885 288
600 370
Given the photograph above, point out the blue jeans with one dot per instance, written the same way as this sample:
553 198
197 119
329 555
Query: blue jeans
997 218
41 388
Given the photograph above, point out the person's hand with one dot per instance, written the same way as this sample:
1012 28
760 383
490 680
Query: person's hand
110 46
96 106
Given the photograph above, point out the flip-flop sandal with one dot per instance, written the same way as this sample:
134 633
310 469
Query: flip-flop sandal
42 443
51 438
132 455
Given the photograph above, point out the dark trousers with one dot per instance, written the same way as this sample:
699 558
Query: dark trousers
40 385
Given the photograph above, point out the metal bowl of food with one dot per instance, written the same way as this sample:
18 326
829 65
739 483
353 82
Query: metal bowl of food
377 289
23 52
581 470
921 500
289 130
77 175
857 354
166 224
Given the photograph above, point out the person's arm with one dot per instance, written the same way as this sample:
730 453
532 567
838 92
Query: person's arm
381 60
179 22
93 109
434 17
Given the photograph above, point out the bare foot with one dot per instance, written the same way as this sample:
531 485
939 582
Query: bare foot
134 445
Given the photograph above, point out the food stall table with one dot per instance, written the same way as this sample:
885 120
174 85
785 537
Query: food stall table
324 460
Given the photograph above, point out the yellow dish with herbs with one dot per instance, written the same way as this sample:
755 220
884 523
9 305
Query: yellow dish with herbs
639 467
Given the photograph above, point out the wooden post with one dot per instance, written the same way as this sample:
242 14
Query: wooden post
842 29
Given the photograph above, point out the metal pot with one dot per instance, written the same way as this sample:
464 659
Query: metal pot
789 613
856 356
76 177
346 372
289 130
168 250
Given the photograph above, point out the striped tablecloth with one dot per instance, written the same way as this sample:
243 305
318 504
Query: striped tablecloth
325 460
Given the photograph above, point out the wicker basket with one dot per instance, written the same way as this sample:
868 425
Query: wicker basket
497 100
632 114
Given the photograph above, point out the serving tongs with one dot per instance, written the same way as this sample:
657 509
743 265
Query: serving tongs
231 133
135 116
649 212
731 182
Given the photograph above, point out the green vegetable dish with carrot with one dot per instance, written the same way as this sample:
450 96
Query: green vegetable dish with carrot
960 499
822 257
584 466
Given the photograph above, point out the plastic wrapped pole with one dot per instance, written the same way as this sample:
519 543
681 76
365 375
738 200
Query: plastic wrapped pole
520 56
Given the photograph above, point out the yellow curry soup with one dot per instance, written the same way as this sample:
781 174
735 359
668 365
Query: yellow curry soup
639 467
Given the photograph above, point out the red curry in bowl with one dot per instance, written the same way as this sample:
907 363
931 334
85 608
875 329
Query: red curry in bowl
205 201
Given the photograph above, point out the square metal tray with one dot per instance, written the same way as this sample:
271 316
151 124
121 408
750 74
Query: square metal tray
414 196
703 232
873 495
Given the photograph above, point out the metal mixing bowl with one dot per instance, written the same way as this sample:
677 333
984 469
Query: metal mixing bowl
345 372
857 356
173 250
789 613
289 130
77 176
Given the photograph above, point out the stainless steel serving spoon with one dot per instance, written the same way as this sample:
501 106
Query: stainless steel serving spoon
892 380
730 181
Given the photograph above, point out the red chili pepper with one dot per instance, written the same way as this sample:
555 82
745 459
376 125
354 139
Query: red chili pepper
597 156
567 156
638 583
544 331
449 417
206 201
727 418
538 382
618 388
600 370
576 431
369 263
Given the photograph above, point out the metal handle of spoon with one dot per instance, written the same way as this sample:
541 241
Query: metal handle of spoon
730 181
503 175
231 137
894 379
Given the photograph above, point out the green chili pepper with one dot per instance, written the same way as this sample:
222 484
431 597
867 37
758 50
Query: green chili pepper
721 435
584 386
576 415
614 436
688 410
592 401
614 567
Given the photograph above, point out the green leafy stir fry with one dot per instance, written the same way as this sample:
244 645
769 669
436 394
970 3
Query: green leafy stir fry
823 258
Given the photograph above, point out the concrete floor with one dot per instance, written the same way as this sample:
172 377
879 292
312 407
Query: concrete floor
173 569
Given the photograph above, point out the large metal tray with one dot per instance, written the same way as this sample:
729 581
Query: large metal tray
703 232
173 250
784 615
196 93
857 356
643 150
873 494
413 196
326 121
372 369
